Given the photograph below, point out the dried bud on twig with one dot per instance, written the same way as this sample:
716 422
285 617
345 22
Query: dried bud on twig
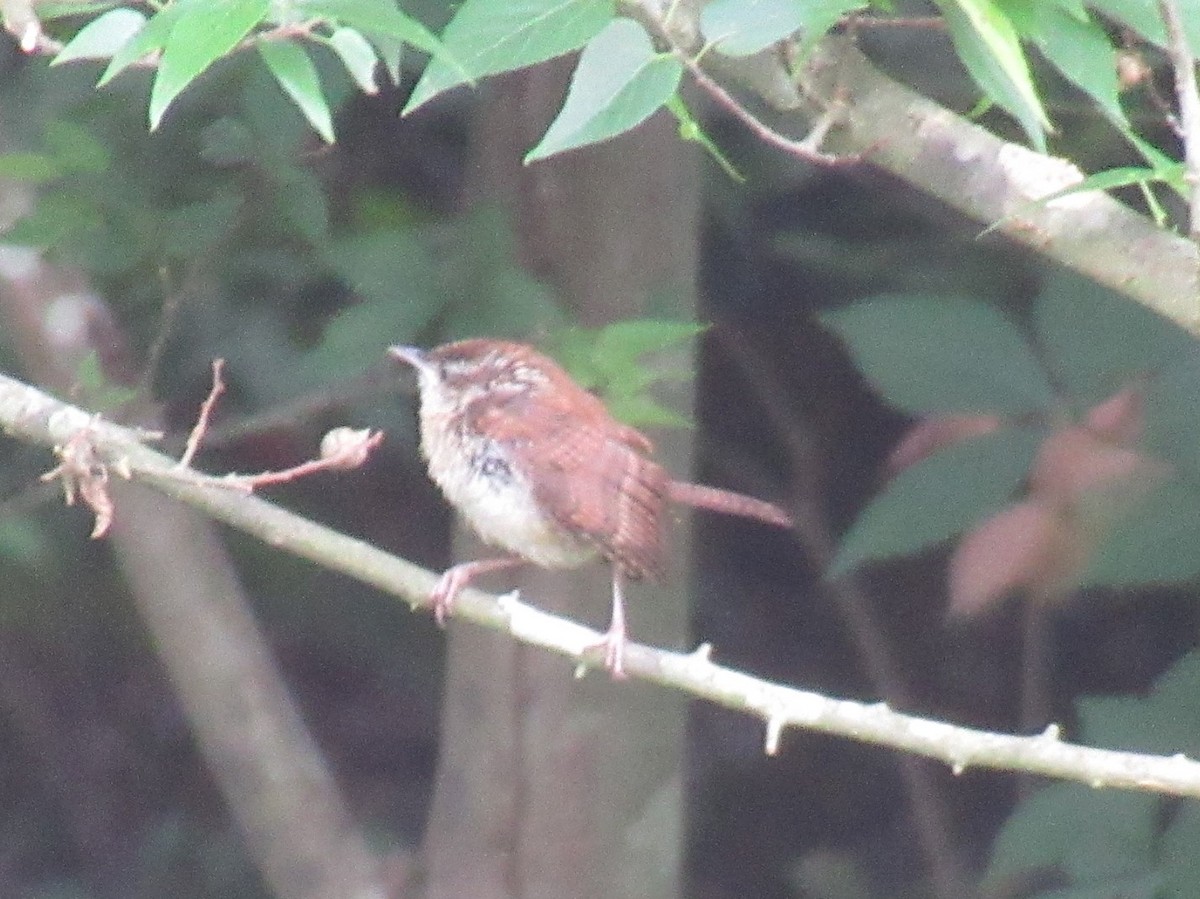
85 474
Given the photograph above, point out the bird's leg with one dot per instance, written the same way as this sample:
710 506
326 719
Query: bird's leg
456 578
615 637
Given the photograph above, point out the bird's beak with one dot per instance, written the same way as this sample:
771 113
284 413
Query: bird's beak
413 356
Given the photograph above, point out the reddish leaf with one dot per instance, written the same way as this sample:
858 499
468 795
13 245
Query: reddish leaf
1024 545
929 435
1120 418
1074 460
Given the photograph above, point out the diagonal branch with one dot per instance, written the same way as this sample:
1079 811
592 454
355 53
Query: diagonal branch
995 181
945 155
37 417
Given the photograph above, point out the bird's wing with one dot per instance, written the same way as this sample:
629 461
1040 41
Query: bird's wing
587 473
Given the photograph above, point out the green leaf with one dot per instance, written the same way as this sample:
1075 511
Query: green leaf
1094 835
1140 15
191 231
57 216
390 51
491 36
1163 723
619 83
390 265
1173 415
301 201
227 141
611 361
101 394
690 129
358 56
1125 176
485 290
1079 48
512 304
102 37
939 497
1097 342
75 148
394 275
49 9
989 47
744 27
936 355
151 38
1164 167
1109 843
297 75
381 17
1165 172
33 168
1155 542
612 358
1180 861
621 346
643 411
204 31
279 128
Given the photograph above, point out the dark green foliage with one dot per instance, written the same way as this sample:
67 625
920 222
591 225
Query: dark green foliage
937 355
940 496
1101 843
933 357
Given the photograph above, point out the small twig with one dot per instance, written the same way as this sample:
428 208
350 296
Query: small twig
341 449
304 408
924 23
83 470
202 420
1184 64
166 324
807 148
33 39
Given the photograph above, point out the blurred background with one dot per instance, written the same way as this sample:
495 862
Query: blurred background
234 232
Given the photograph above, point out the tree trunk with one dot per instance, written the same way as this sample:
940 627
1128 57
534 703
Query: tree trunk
552 786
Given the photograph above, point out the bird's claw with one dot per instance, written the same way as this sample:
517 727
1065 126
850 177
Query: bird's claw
449 585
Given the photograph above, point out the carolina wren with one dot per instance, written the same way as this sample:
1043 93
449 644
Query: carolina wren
538 466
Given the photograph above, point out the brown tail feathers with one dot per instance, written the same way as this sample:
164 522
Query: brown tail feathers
717 500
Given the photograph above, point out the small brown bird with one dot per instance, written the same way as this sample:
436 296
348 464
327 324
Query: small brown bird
538 466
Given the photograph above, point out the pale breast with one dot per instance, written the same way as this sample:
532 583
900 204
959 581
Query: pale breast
495 499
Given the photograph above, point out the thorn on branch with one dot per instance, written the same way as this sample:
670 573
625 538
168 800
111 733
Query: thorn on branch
775 726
